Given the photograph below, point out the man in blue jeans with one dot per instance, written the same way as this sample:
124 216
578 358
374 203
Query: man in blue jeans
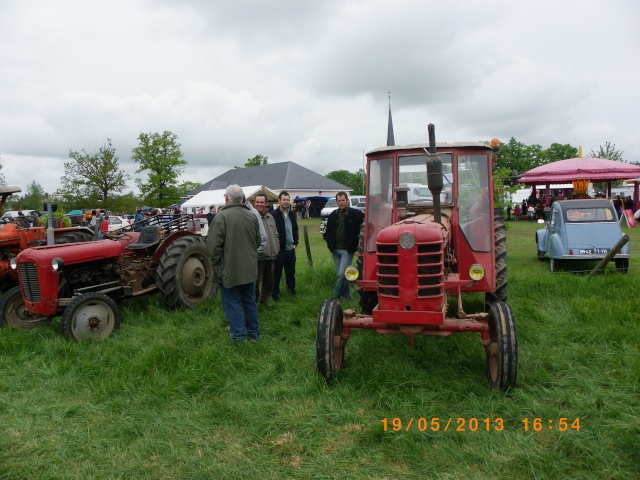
343 230
232 242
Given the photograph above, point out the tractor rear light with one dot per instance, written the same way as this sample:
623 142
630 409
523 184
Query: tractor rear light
407 241
476 272
13 263
57 264
351 273
570 251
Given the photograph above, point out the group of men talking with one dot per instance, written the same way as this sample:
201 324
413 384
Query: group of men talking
251 246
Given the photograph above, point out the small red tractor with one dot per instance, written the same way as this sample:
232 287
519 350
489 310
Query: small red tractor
83 281
15 237
417 252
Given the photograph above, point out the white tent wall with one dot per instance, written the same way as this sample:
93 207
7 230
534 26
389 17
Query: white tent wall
207 198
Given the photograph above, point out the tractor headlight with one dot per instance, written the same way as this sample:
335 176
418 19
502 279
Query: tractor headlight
476 272
13 263
407 241
351 273
57 264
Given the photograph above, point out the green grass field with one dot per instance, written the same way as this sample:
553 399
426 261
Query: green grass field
168 397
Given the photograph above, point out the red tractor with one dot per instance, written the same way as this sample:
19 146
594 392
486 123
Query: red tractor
17 236
420 251
83 281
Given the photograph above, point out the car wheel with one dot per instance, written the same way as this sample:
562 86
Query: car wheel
554 265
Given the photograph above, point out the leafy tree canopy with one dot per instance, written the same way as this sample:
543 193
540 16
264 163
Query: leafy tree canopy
609 152
92 179
160 156
354 181
256 161
31 200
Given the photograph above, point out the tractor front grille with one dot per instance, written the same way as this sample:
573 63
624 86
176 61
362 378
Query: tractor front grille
29 281
424 274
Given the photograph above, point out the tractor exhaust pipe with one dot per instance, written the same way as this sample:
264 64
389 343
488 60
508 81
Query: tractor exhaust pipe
434 174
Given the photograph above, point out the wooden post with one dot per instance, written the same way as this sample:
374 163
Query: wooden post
307 245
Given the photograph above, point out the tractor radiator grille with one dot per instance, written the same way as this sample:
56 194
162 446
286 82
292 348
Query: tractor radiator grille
427 270
29 281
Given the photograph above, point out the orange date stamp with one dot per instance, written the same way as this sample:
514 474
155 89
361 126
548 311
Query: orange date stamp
436 424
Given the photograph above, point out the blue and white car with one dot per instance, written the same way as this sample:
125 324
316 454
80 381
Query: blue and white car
581 230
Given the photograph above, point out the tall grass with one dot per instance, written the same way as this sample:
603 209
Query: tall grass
168 397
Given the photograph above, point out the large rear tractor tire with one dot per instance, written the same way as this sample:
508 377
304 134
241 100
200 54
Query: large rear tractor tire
90 315
330 341
74 237
185 275
502 352
501 263
13 312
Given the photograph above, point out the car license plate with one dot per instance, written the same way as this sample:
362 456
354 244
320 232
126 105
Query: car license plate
593 251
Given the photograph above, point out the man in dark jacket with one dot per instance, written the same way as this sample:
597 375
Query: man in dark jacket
232 242
342 236
287 227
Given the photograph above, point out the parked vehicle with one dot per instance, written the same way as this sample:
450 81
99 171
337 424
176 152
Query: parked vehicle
415 256
16 237
355 201
581 230
83 281
116 222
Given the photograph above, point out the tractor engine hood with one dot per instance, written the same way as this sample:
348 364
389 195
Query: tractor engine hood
77 252
422 227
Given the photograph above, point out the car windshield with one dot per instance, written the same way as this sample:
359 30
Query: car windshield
331 203
585 215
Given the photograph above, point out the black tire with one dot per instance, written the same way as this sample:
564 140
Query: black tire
73 237
185 275
368 300
501 263
330 341
90 315
13 312
622 265
502 352
540 255
555 265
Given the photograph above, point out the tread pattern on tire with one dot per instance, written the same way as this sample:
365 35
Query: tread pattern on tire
325 352
501 263
504 333
167 276
69 313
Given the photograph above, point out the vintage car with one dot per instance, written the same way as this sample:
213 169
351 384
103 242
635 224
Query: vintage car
581 230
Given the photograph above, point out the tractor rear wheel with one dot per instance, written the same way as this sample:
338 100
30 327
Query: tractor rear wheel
14 314
330 341
73 237
90 315
501 262
185 275
502 352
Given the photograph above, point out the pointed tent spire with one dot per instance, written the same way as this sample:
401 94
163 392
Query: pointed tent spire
390 140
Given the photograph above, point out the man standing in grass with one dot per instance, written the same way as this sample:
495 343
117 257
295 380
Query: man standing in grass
343 230
232 242
288 234
264 285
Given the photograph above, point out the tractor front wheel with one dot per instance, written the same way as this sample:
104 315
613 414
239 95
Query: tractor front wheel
13 312
330 341
502 351
185 275
90 315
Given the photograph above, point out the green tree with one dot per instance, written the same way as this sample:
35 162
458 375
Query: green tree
515 155
257 161
609 152
161 157
2 181
354 181
186 187
557 151
92 178
33 198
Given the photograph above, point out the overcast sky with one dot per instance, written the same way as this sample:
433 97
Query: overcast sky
307 81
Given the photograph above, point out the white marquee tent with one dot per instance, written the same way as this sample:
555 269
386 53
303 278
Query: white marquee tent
206 198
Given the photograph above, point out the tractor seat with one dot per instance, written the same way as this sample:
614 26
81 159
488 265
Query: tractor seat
149 236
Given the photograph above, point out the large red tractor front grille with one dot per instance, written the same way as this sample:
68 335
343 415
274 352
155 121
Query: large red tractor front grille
424 264
29 281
